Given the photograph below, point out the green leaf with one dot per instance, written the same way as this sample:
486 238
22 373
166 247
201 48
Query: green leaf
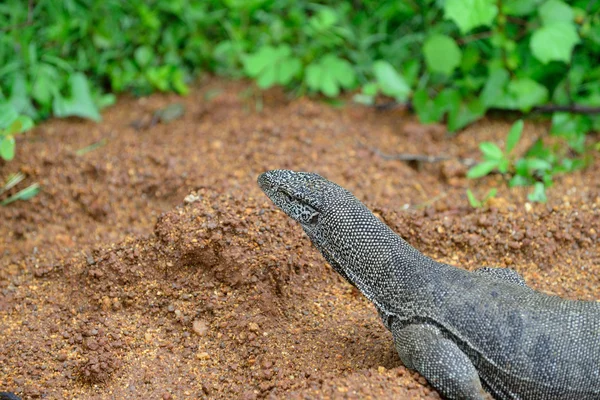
537 164
465 114
566 124
80 103
427 110
520 8
324 20
490 194
272 66
472 199
442 54
159 77
554 42
519 180
555 11
526 93
7 147
390 81
19 98
468 14
491 151
178 82
514 135
143 56
24 194
482 169
494 90
45 84
8 115
329 75
370 89
538 194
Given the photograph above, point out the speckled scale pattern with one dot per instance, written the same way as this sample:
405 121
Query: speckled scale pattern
463 331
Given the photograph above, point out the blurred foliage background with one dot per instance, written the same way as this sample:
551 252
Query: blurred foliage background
449 60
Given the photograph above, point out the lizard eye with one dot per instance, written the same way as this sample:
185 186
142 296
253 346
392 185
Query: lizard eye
287 196
314 219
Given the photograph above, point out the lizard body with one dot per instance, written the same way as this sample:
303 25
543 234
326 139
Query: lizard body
463 331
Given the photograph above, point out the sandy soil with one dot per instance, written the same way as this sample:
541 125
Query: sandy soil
153 267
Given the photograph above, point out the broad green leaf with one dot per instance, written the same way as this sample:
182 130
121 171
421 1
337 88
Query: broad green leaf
520 8
566 124
324 19
494 89
7 147
391 82
503 165
272 66
514 135
468 14
178 82
45 84
555 11
539 193
8 115
329 75
21 124
482 169
465 114
427 110
442 54
526 93
554 42
19 98
491 151
470 59
370 89
80 103
158 77
537 164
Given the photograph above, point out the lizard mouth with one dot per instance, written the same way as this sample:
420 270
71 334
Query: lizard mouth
265 183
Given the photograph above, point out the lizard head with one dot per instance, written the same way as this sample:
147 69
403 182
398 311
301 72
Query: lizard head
301 195
324 209
315 202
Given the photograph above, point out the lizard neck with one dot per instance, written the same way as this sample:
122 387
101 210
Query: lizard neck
367 253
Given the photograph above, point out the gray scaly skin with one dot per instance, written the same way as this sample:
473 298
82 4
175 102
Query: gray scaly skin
463 331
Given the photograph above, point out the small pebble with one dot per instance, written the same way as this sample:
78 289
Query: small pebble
200 327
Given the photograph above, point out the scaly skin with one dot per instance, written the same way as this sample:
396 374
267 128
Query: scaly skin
463 331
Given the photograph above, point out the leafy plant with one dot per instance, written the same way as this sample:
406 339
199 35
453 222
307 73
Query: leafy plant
480 203
536 168
11 124
450 60
272 66
24 194
494 157
330 75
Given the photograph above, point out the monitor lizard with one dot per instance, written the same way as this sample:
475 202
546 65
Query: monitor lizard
465 332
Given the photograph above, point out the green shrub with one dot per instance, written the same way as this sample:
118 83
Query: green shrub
451 60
